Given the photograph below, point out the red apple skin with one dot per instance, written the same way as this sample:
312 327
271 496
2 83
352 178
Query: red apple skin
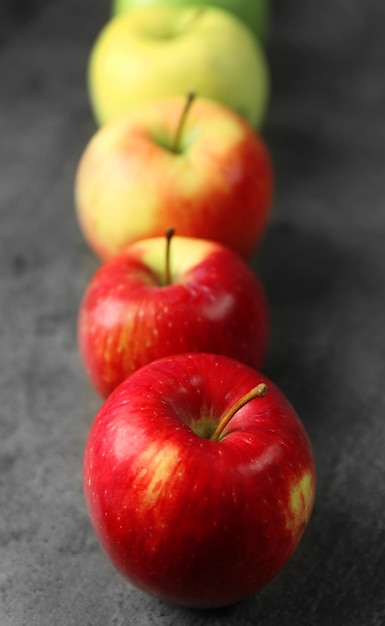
131 185
190 520
128 317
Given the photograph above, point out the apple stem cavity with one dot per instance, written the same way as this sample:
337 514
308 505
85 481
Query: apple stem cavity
182 120
170 232
256 392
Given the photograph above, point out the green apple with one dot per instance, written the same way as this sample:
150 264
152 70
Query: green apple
255 13
163 51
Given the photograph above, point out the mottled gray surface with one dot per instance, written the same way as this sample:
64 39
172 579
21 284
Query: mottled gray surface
323 265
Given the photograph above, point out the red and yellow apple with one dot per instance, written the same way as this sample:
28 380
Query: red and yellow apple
156 299
254 13
199 479
138 176
161 51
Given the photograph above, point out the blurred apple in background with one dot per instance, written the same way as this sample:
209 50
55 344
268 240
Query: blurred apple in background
254 13
199 479
209 177
160 51
169 295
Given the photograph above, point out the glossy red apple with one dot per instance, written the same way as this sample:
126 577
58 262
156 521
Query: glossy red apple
209 177
154 300
199 479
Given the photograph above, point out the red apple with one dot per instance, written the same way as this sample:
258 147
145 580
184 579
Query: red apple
209 177
153 300
199 479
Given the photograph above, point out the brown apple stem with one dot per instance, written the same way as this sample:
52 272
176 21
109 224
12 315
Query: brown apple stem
257 392
182 120
170 232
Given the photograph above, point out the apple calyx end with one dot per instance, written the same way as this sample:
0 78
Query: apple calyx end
259 391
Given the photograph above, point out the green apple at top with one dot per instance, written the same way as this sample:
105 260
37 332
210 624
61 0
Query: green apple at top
255 13
163 51
206 173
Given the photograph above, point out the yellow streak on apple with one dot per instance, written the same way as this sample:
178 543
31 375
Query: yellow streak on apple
301 503
160 463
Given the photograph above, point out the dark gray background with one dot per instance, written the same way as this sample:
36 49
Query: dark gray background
323 265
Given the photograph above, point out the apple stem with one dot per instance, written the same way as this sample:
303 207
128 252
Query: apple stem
256 392
182 120
170 232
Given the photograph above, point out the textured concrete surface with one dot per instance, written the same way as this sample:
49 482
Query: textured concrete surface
322 262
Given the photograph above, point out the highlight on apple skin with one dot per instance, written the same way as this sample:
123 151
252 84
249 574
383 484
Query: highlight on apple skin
199 479
169 295
133 181
162 51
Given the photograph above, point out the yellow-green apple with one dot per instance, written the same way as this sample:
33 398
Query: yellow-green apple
254 13
151 301
138 176
161 51
199 479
